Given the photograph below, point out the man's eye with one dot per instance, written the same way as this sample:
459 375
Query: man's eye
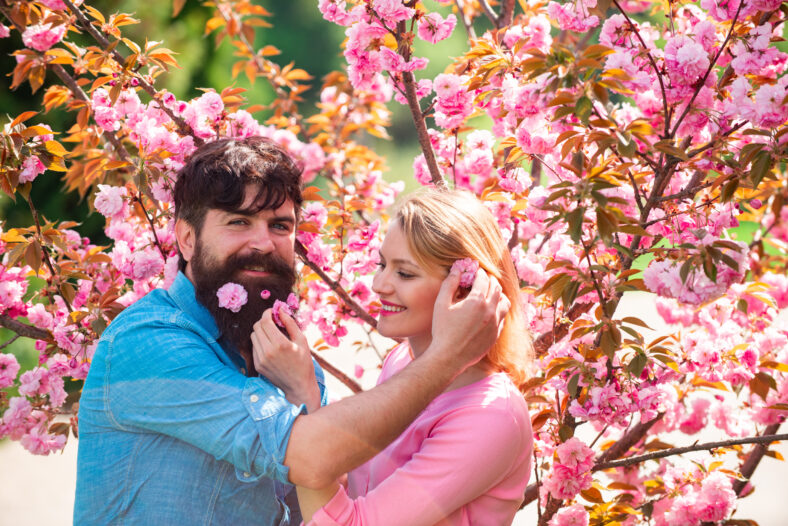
238 221
281 226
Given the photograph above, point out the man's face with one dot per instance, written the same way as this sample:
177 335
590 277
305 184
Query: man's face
253 249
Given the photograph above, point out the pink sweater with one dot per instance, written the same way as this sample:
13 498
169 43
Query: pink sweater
464 461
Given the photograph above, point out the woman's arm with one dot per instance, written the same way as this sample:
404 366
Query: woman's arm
467 453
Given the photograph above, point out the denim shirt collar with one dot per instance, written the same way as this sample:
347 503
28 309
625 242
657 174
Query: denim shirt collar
182 293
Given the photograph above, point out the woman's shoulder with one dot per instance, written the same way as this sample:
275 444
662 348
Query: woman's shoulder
395 361
492 399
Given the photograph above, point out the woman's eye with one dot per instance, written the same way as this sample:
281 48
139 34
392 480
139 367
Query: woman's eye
405 275
381 266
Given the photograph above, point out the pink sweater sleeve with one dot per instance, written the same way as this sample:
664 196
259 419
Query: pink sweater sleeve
468 452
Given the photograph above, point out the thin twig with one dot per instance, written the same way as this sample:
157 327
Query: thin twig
465 21
11 340
488 11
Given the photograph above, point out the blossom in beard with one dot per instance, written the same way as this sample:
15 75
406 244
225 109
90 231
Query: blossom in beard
573 16
232 296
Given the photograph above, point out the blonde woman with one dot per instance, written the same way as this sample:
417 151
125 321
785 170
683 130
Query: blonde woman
466 459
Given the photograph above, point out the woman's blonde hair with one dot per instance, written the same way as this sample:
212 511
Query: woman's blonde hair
442 226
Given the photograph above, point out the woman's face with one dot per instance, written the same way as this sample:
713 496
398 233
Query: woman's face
407 292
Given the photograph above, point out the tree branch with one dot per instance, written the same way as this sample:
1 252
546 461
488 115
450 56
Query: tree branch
763 439
23 329
336 287
753 459
336 373
507 14
105 44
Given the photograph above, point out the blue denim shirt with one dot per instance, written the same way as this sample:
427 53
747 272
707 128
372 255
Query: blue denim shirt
170 429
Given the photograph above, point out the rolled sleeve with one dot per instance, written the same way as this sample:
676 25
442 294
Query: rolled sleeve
274 417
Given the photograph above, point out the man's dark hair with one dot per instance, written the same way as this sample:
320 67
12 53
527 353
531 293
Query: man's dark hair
217 174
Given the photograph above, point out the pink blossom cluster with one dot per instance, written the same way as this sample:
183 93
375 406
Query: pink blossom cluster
571 472
288 307
664 278
573 16
711 500
574 515
28 425
466 268
43 36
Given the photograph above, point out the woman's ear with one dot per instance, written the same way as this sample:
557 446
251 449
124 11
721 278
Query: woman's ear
186 238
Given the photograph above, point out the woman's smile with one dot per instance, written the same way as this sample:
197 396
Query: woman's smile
388 308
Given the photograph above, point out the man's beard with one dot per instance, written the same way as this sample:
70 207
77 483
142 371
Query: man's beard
209 275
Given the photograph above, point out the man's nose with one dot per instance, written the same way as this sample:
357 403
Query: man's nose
260 240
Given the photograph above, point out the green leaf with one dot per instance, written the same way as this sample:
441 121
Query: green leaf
575 222
760 167
637 364
572 385
583 108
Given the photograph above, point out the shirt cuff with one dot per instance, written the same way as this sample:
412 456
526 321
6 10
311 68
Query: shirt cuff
335 512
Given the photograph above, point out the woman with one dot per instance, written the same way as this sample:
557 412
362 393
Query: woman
467 458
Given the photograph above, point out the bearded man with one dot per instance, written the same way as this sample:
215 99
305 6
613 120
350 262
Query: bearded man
176 423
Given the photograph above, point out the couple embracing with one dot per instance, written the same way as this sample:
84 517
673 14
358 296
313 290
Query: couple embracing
195 414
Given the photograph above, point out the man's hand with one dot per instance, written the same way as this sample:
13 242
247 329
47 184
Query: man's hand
287 363
465 329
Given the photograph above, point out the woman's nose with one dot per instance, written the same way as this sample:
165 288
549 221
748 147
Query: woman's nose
380 284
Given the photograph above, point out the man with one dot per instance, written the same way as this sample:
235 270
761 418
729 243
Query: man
177 427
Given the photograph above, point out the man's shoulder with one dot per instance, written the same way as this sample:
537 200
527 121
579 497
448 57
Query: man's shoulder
156 307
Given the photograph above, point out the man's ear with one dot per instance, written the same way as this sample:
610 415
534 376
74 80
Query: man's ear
186 237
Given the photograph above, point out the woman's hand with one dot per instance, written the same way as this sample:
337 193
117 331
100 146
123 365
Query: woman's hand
287 363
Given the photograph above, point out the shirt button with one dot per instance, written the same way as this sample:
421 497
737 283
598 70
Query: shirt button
254 398
247 474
